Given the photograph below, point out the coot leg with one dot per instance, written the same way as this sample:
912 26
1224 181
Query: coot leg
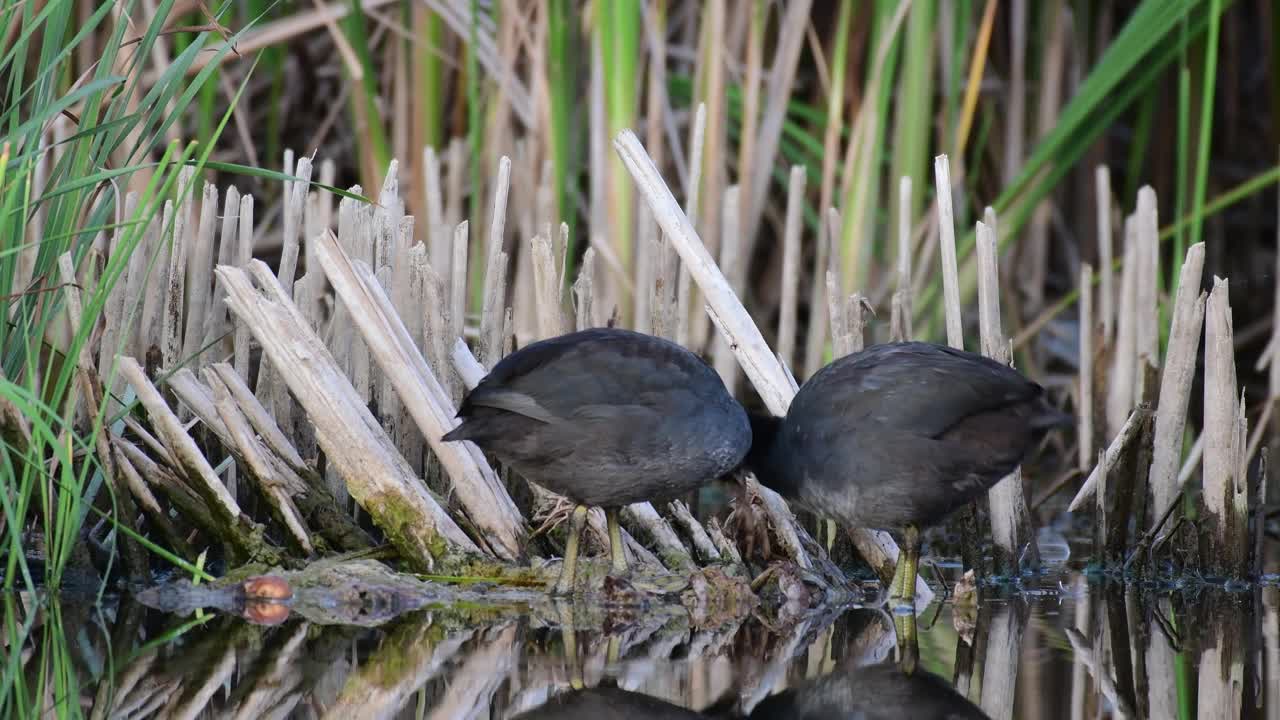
615 542
908 642
564 585
904 579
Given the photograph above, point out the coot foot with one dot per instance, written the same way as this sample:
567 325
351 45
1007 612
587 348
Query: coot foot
616 553
903 587
564 586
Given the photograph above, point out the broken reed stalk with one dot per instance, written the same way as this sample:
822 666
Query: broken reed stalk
900 320
1084 398
495 283
375 473
731 261
684 290
477 487
1106 291
1010 518
790 279
950 269
1175 383
1120 383
758 361
1226 492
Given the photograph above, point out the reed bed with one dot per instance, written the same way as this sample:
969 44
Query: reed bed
258 374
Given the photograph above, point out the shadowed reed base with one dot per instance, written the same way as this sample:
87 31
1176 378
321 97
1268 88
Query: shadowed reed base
564 585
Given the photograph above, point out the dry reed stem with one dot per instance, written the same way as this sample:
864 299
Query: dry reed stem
199 274
1084 400
790 38
295 201
547 299
244 253
263 424
1124 368
900 320
790 280
458 280
1175 383
437 233
1010 517
684 289
116 328
950 270
645 249
1225 485
276 486
1148 279
583 291
757 360
191 462
495 282
698 535
731 264
675 556
174 291
1129 433
478 488
710 70
375 473
1106 291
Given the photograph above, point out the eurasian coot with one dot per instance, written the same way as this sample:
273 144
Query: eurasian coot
898 436
606 417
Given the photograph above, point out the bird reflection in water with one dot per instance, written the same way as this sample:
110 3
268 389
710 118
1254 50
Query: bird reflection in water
885 690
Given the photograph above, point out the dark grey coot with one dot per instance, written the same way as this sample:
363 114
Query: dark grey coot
606 417
898 436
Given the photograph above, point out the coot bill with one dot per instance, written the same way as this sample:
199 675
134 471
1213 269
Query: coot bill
606 417
898 436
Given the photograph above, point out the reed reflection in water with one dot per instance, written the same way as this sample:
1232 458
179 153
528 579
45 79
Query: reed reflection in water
1072 649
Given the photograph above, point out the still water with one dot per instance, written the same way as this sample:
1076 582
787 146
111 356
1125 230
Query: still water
1062 645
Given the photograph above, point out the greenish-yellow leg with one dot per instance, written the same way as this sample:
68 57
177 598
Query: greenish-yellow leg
616 553
569 637
908 643
904 578
564 585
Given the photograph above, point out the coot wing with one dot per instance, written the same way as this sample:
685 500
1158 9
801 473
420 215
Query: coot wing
557 378
922 388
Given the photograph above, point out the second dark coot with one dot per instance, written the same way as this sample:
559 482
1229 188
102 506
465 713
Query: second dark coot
606 417
898 436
